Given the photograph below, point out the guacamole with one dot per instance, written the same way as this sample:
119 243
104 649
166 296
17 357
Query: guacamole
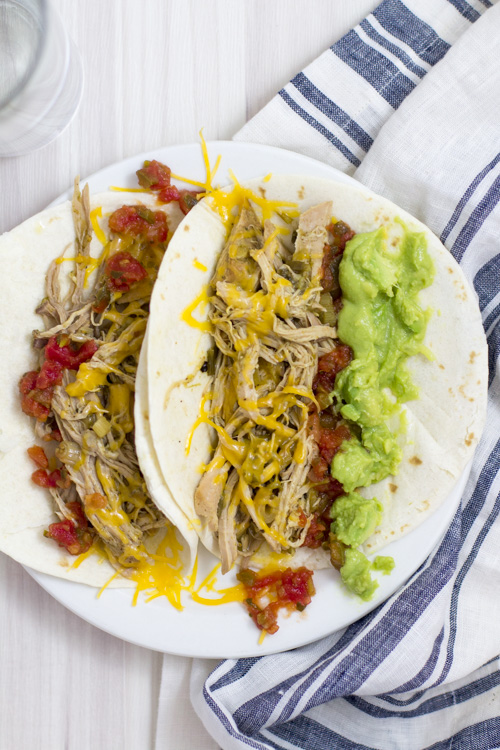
356 574
355 518
382 322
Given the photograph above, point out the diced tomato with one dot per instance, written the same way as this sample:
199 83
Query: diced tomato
53 433
329 273
325 484
169 194
332 256
34 409
262 582
187 200
78 512
43 478
297 586
54 477
328 439
50 374
341 234
317 532
69 536
154 175
336 360
332 490
37 387
37 455
267 618
28 382
125 221
331 440
122 271
288 589
319 471
67 356
140 221
329 365
72 535
42 396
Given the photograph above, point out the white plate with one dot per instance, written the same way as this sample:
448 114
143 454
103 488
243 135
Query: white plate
226 631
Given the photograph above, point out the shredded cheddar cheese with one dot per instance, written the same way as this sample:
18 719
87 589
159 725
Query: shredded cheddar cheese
199 266
94 214
201 300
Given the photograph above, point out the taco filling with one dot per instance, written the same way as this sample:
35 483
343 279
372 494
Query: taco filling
311 331
82 393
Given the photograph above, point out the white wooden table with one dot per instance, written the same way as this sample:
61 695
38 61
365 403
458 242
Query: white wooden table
156 71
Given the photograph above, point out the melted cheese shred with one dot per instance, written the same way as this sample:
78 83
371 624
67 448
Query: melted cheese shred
86 261
201 300
224 202
94 215
161 573
128 190
199 266
210 172
225 596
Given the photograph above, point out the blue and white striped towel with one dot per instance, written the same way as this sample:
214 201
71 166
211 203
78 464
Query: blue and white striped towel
408 102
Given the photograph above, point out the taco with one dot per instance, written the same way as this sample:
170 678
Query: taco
77 284
317 374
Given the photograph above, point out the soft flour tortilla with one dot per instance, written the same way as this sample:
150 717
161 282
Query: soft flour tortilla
444 424
150 467
25 509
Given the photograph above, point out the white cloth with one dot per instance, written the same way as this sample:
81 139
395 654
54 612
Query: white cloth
178 727
409 102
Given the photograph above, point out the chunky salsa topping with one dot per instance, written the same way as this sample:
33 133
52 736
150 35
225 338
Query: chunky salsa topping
73 534
38 456
140 221
269 593
122 271
37 386
44 478
155 176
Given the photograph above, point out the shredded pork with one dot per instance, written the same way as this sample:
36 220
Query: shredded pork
268 337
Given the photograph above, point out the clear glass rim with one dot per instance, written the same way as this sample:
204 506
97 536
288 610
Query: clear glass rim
42 5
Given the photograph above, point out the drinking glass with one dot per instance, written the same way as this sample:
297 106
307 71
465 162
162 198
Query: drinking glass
41 76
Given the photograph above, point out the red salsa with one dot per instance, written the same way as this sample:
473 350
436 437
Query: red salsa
122 271
37 386
269 593
140 221
73 535
155 176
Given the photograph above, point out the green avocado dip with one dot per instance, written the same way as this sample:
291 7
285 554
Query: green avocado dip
382 322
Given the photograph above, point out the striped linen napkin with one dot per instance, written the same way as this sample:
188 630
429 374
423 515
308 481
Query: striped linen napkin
408 102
